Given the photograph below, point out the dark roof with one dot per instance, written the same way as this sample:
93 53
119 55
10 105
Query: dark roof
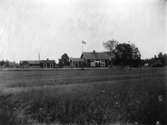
47 61
30 61
76 59
97 55
35 62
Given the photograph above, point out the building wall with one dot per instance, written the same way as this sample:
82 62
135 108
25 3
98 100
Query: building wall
41 64
76 64
96 63
47 65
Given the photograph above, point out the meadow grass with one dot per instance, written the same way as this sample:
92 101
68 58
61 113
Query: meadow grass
84 97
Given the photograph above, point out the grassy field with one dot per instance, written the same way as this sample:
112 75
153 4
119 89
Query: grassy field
90 96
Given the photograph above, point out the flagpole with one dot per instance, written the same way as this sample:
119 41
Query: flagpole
82 47
83 43
39 56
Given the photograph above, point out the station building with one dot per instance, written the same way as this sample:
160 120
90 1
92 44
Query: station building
93 59
38 63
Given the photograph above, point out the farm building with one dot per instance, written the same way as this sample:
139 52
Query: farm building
37 63
97 59
93 59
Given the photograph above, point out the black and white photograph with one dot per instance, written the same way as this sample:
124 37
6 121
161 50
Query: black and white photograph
83 62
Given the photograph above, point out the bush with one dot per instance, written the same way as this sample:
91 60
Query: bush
157 63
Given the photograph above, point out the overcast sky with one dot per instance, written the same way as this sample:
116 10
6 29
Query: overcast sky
53 27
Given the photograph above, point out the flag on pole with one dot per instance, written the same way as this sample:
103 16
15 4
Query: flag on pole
83 42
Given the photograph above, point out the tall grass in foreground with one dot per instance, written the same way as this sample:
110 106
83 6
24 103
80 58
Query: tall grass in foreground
100 104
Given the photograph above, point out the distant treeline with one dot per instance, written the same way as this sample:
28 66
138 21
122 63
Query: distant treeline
158 60
125 54
8 64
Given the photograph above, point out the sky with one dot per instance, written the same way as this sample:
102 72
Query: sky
54 27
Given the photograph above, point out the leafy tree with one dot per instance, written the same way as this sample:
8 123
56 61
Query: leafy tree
2 63
135 52
136 56
64 61
162 58
110 45
158 60
127 54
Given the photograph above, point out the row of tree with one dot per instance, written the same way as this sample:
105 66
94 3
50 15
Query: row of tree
125 54
158 60
8 64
